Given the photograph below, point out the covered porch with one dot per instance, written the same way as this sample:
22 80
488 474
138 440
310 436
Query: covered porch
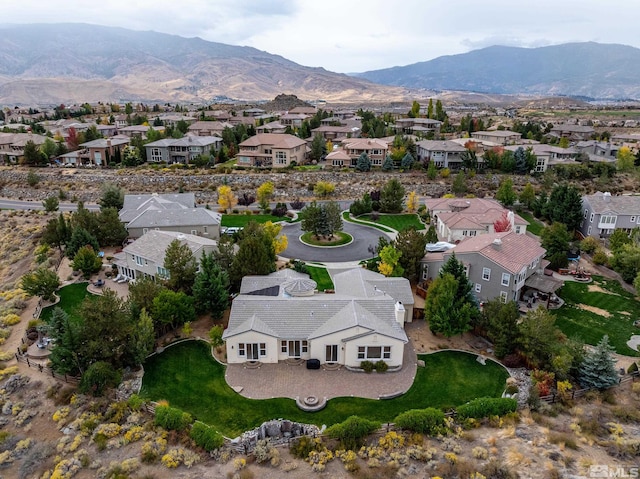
539 289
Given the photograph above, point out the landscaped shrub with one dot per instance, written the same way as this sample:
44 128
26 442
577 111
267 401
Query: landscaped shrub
486 407
98 377
367 366
600 257
206 437
352 431
425 421
301 447
589 244
381 366
172 418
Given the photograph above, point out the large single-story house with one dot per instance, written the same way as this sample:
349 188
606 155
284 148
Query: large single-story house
145 256
444 154
272 150
498 265
281 316
169 212
459 218
208 128
604 213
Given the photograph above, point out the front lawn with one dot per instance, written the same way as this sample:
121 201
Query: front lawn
535 226
190 379
397 222
321 277
242 220
613 311
70 298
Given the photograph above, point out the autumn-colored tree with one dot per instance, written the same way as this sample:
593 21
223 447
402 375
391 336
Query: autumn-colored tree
72 139
280 242
324 188
503 223
625 160
390 261
264 194
412 202
226 199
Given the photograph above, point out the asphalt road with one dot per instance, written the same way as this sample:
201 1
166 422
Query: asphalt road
6 204
363 237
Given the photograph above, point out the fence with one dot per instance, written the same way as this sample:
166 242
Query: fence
578 393
47 370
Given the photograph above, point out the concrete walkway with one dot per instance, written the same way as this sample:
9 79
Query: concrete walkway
291 381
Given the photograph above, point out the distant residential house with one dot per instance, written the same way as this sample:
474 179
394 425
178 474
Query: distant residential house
207 128
253 112
330 132
144 258
121 121
375 148
444 154
107 130
139 131
102 151
498 265
338 158
598 150
169 212
182 150
12 146
458 218
304 110
548 155
272 150
293 120
499 137
172 119
573 132
603 213
281 317
417 125
271 127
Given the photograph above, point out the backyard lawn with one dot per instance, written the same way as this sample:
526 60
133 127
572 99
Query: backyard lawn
321 277
397 222
190 379
535 226
242 220
70 298
598 308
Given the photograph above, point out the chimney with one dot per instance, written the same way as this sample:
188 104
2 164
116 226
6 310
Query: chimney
606 197
496 243
400 313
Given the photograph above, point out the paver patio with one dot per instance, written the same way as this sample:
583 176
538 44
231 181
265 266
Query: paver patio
291 381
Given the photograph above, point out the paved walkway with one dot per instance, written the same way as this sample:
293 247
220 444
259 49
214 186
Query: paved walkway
283 380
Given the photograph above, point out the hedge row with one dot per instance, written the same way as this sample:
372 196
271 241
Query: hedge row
425 421
206 437
171 418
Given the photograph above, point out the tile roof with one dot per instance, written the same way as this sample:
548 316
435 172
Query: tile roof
619 204
106 142
437 145
275 140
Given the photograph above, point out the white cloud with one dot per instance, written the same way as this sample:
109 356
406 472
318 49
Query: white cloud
354 35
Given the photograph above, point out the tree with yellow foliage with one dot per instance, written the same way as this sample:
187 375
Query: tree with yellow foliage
625 160
264 194
280 242
226 199
389 262
412 202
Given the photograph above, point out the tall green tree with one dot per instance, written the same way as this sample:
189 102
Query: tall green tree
80 237
527 196
143 338
363 163
411 244
181 265
387 164
112 197
318 147
255 256
211 288
392 197
432 236
598 369
565 206
520 158
505 193
459 185
556 240
87 261
430 108
142 292
390 261
626 261
455 268
110 229
539 337
332 217
172 309
32 155
42 282
499 321
439 309
312 219
66 333
51 204
407 161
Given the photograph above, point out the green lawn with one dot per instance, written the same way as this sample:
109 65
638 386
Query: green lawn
321 277
343 238
242 220
535 226
346 217
190 379
70 298
397 222
591 326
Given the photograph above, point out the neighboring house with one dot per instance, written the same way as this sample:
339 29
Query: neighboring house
103 150
417 125
331 132
294 120
444 154
338 158
573 132
253 112
271 127
375 148
182 150
605 213
498 265
280 316
139 131
602 149
121 121
12 146
272 150
170 212
305 110
208 128
548 155
459 218
500 137
172 119
145 257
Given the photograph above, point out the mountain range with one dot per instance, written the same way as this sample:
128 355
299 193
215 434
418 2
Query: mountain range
70 63
591 70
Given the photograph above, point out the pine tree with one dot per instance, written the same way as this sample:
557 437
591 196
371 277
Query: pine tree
407 161
520 157
363 163
598 369
387 165
432 236
211 288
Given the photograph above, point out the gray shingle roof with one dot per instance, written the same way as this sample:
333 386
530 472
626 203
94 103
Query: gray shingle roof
153 244
619 204
166 218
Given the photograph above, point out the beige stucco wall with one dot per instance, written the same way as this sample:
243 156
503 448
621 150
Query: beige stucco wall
272 344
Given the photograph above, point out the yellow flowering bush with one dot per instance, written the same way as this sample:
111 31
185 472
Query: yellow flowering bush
6 458
10 371
134 434
451 457
239 463
110 429
6 355
66 469
9 319
61 413
174 457
151 450
23 445
319 459
75 444
391 440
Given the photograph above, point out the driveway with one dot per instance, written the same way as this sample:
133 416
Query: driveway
363 237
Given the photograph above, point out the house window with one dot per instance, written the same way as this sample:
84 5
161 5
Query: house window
518 229
194 232
162 272
506 279
305 346
374 352
425 271
281 157
283 346
252 351
472 233
241 350
633 219
139 260
156 155
205 228
503 296
586 212
486 274
263 349
145 231
478 287
386 352
609 219
589 230
591 218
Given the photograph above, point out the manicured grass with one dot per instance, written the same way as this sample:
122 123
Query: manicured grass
321 277
341 239
346 217
70 298
591 326
242 220
535 226
190 379
397 222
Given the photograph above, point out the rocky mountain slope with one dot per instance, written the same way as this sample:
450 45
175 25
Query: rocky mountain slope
594 70
52 63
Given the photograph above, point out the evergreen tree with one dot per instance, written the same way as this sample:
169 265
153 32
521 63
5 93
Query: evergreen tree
528 196
363 163
411 244
565 206
598 369
387 165
505 193
456 269
255 256
407 161
211 288
430 108
80 237
143 339
555 239
181 265
440 308
312 219
432 236
318 147
392 197
520 158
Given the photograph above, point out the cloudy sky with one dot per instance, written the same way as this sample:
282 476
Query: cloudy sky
354 35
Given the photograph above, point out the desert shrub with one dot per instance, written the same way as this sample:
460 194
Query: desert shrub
381 366
135 402
600 257
426 421
562 438
367 366
486 407
352 431
302 446
206 437
171 418
496 470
